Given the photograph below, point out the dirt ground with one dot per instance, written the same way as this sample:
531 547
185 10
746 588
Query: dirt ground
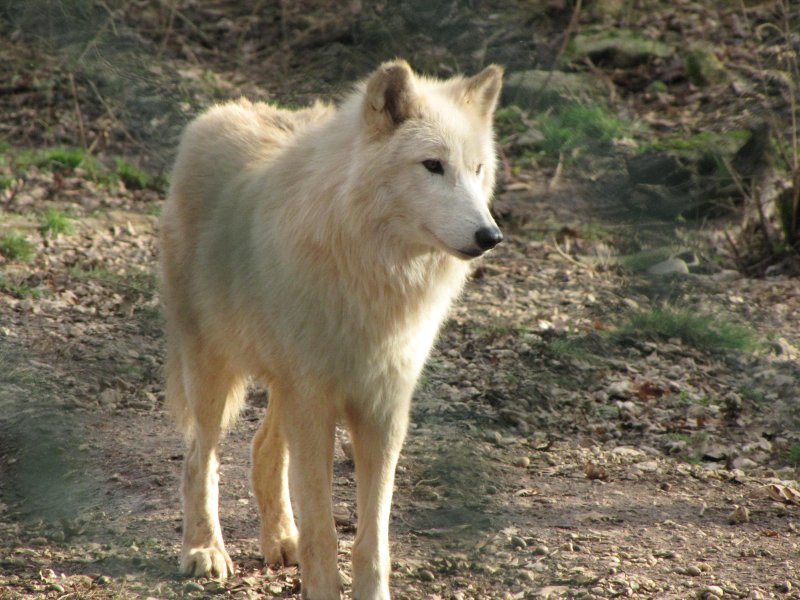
554 452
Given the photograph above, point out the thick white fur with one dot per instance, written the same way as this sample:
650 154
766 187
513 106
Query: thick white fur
312 250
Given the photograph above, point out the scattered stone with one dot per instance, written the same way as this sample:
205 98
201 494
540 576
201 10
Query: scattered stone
494 437
693 570
712 590
541 550
109 397
518 542
628 452
744 463
671 266
522 461
214 587
784 587
620 48
426 575
648 466
703 67
526 576
193 586
341 515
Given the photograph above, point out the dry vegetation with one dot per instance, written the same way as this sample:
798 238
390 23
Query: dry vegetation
611 411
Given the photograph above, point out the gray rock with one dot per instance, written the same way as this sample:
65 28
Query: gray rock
713 590
703 67
621 48
540 89
671 266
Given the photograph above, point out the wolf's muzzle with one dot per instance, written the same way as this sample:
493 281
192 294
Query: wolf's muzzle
487 238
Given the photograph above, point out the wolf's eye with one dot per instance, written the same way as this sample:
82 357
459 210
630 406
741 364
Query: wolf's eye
434 166
478 170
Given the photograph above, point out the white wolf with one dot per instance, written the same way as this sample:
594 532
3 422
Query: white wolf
318 251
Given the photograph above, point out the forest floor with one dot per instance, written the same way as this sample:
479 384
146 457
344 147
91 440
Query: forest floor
585 427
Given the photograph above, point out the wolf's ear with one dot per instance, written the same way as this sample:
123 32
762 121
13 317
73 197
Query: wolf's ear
390 96
483 90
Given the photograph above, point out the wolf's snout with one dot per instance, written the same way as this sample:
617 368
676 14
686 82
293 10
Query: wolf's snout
487 238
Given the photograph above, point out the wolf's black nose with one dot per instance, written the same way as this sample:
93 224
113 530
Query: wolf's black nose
488 237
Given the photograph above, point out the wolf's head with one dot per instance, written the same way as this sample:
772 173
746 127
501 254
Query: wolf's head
433 156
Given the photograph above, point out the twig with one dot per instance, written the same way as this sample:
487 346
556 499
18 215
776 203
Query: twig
733 247
78 113
557 174
571 259
110 14
170 24
573 22
426 481
750 197
794 69
88 149
190 23
118 122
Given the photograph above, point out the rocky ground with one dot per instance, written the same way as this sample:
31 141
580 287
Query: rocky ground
566 442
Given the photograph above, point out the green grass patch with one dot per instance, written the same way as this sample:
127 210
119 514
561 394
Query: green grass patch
55 222
571 347
138 282
510 120
692 328
708 150
572 129
594 231
62 159
16 161
21 290
132 176
577 128
792 455
6 181
15 246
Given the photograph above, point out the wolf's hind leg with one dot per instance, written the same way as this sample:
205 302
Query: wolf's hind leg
271 487
214 394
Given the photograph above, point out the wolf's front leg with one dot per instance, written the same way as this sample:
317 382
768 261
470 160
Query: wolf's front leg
377 440
309 428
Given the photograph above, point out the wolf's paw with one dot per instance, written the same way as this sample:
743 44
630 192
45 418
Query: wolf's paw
280 552
207 562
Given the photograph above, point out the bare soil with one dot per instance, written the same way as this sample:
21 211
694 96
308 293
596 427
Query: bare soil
553 453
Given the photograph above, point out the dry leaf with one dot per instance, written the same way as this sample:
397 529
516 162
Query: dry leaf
778 492
739 515
594 471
